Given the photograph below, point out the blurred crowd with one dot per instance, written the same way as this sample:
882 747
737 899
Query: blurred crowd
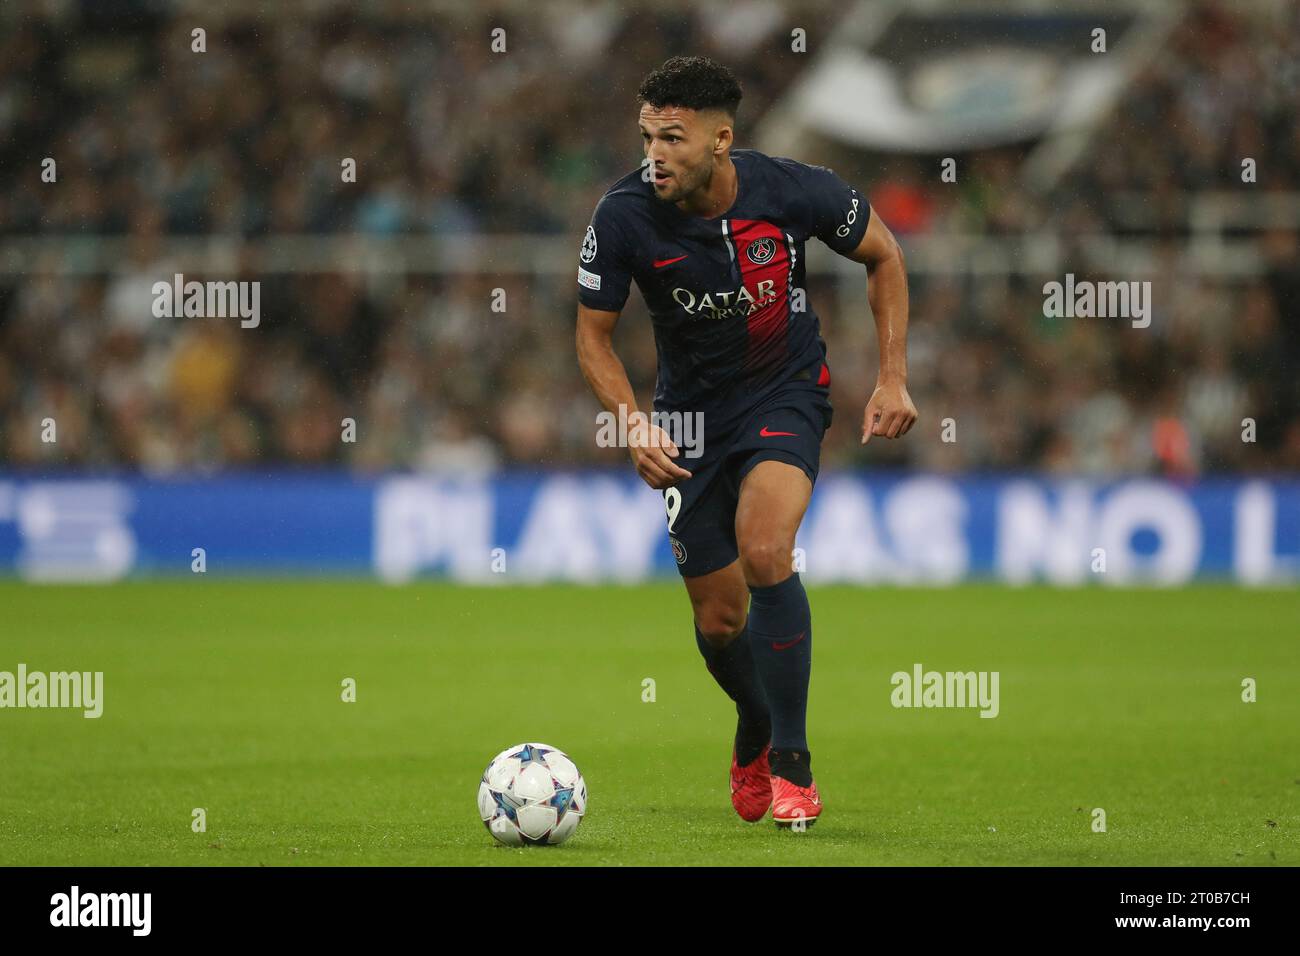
154 141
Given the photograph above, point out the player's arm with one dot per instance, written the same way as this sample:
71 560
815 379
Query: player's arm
890 411
650 447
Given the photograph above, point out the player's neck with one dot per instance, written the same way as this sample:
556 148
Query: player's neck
720 195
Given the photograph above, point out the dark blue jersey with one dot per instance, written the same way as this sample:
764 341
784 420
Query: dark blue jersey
726 295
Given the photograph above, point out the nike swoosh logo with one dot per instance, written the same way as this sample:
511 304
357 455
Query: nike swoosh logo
788 644
660 263
764 433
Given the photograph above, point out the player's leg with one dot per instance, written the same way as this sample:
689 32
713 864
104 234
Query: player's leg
701 515
774 496
720 603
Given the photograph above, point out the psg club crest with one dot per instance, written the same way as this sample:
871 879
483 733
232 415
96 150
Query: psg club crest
588 245
761 251
679 550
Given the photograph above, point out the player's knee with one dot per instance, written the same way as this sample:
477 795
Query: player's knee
766 559
719 623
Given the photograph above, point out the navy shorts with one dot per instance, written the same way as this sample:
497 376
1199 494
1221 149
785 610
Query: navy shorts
786 425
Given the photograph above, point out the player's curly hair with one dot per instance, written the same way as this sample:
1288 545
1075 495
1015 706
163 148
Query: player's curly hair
692 82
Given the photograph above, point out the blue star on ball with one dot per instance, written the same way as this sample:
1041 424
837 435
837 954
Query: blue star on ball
529 753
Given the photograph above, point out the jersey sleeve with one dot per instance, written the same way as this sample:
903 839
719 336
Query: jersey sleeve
837 214
604 263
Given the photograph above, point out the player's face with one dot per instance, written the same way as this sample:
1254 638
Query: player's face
679 143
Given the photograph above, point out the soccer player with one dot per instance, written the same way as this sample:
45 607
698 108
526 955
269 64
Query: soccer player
714 238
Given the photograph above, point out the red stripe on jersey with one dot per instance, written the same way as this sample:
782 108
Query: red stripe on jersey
764 262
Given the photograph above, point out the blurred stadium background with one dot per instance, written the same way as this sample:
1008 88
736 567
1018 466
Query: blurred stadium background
478 170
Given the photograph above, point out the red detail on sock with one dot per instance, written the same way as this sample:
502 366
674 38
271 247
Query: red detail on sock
789 644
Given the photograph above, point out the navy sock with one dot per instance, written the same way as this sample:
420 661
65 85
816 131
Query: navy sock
793 765
733 668
780 632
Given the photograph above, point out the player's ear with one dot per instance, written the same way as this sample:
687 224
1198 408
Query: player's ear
722 138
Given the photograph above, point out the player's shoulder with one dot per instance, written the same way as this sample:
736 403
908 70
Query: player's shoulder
628 196
781 168
618 222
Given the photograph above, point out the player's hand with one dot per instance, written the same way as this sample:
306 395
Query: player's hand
890 411
652 453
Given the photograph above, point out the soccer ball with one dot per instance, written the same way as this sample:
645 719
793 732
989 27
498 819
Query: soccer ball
532 794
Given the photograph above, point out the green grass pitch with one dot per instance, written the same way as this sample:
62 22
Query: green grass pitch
227 696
